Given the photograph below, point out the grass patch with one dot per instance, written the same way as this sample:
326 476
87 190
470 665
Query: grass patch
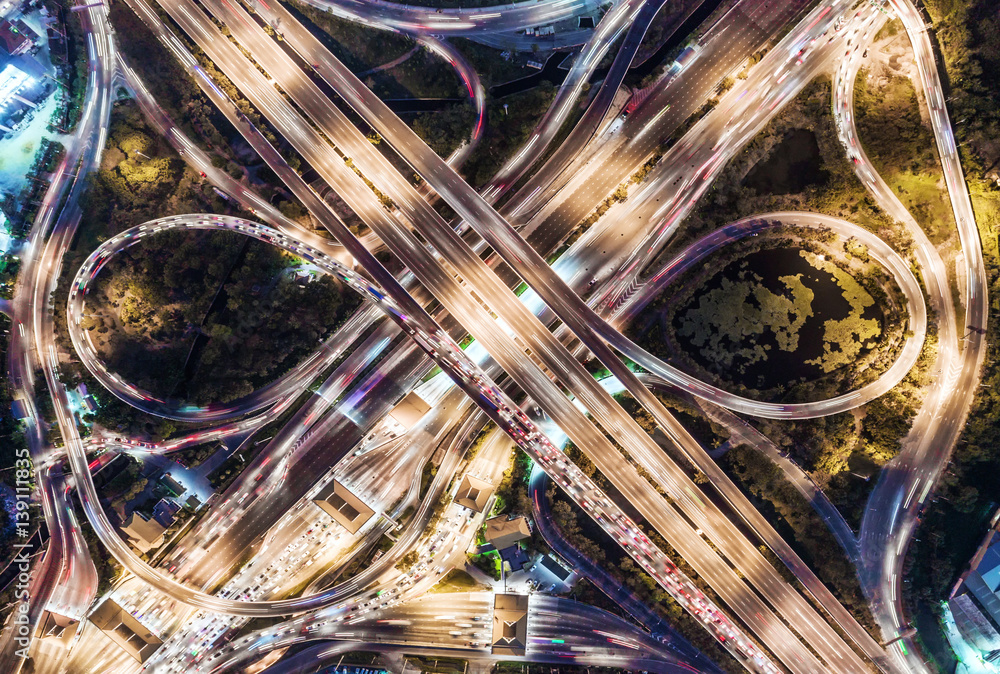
493 69
825 447
127 190
422 75
458 581
926 197
488 563
512 494
437 665
445 130
841 194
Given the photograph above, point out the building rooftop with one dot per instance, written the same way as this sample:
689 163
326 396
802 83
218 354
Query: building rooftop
510 624
18 409
16 37
409 410
557 569
172 484
515 557
988 566
473 493
974 623
339 503
56 627
164 511
144 534
503 533
125 630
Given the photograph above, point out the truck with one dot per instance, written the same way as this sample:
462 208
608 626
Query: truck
688 54
540 31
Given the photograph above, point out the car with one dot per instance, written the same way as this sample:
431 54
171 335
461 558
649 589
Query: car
203 174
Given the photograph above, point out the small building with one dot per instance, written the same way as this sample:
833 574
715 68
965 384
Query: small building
192 502
142 533
555 568
16 37
473 493
338 502
504 533
125 630
164 512
87 400
173 485
409 410
510 624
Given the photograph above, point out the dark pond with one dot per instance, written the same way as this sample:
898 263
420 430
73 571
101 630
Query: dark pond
778 367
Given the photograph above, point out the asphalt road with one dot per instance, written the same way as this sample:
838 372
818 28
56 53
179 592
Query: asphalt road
905 484
474 204
311 440
600 578
585 183
32 343
559 630
204 42
456 21
636 16
301 43
281 388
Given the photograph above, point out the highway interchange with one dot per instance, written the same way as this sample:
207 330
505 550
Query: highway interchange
765 622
